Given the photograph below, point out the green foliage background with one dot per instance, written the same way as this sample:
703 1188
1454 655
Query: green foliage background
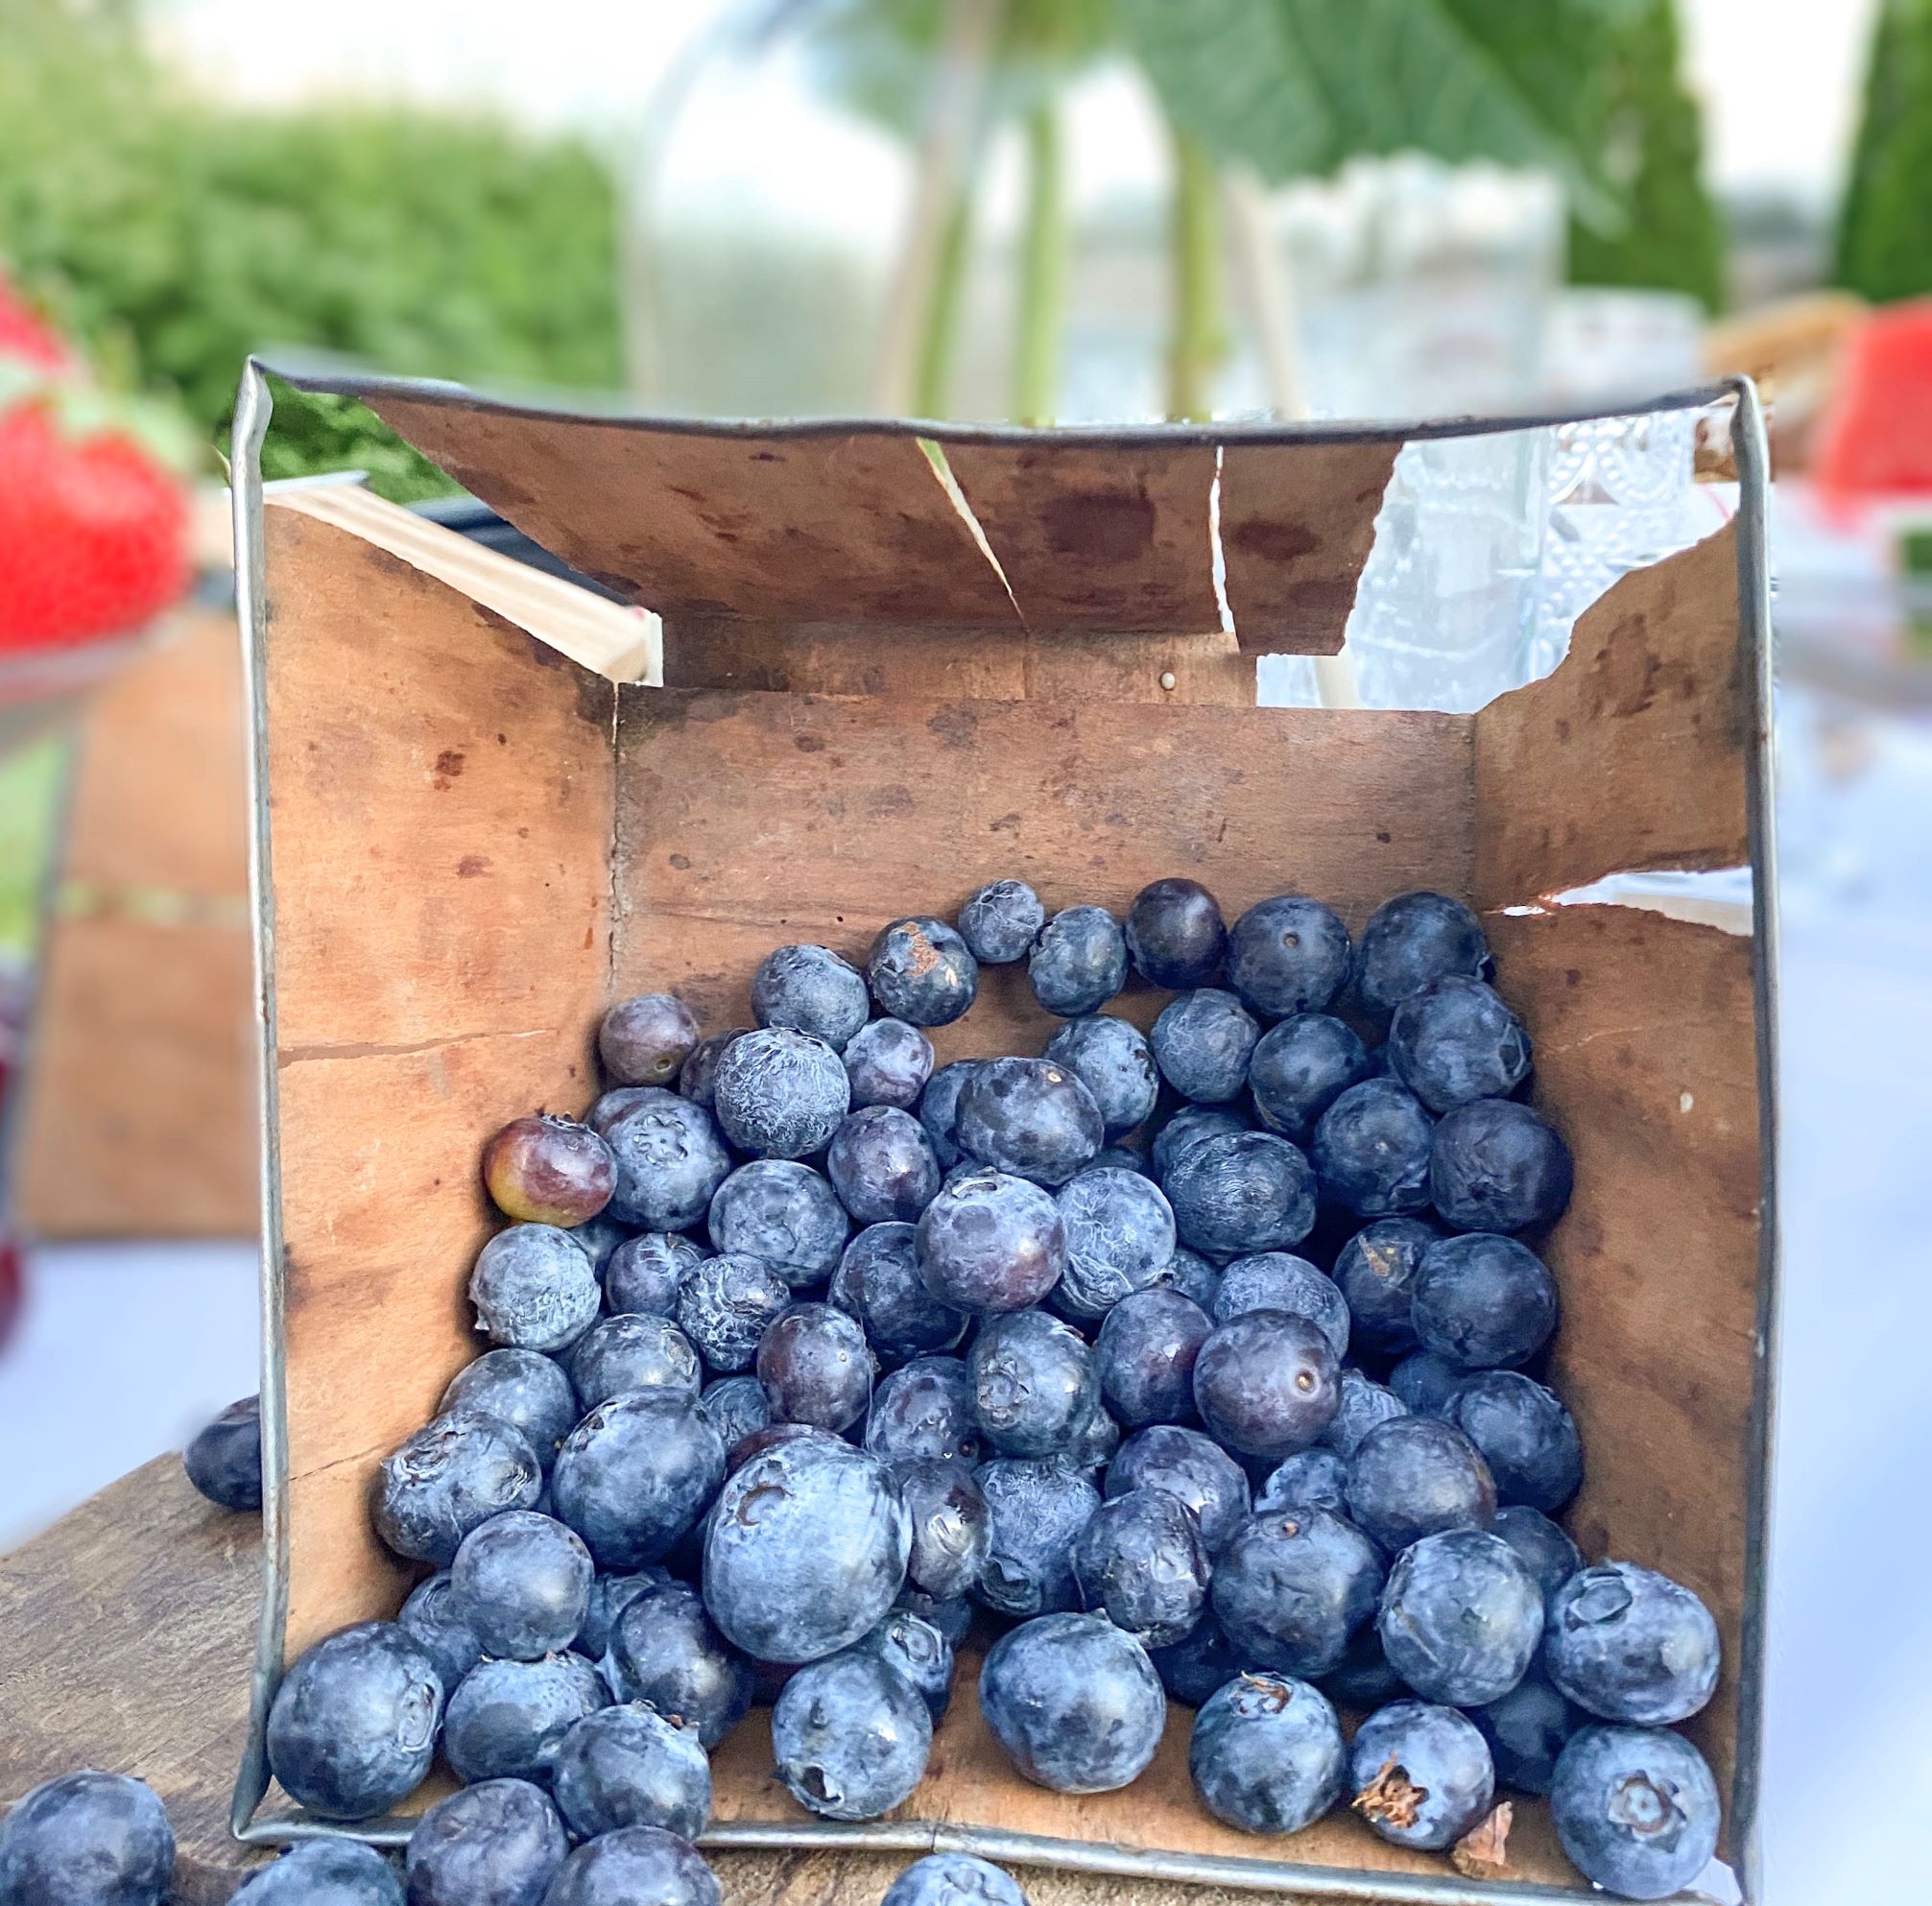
1885 228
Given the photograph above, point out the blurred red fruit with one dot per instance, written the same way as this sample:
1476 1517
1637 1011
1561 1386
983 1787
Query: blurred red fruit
1875 439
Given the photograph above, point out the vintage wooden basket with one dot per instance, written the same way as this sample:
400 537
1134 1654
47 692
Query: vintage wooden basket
899 661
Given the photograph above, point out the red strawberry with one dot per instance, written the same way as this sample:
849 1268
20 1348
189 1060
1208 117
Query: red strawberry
25 337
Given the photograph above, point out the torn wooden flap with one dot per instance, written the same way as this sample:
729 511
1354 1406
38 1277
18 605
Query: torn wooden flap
1296 523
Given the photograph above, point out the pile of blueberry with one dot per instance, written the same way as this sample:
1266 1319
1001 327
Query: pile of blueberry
1191 1366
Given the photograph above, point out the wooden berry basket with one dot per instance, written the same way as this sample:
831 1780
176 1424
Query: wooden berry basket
898 662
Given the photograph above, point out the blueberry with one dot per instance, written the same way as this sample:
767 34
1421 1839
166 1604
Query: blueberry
670 1159
1376 1272
805 1551
1526 1729
666 1652
1412 940
1144 1356
611 1106
888 1063
1309 1479
1074 1703
1189 1466
1038 1510
925 1410
1453 1041
951 1524
548 1171
1293 1586
1093 1441
1299 1068
1175 935
637 1866
1119 1239
850 1737
334 1873
1499 1166
816 1367
878 1283
1482 1301
87 1839
646 1273
632 1353
1422 1775
1200 1662
1267 1383
646 1041
1416 1476
786 1214
780 1095
999 921
1279 1280
1364 1680
534 1288
1114 1063
432 1619
1202 1042
1140 1563
938 1108
1637 1810
1287 955
1190 1125
1191 1275
225 1459
954 1879
609 1596
1029 1117
953 1617
883 1166
1078 961
631 1766
726 1305
497 1844
1371 1149
698 1076
810 990
921 972
353 1728
1460 1617
1427 1382
1365 1406
918 1654
522 1388
1630 1644
1266 1753
1543 1549
454 1474
1241 1193
1527 1437
990 1242
635 1475
1032 1382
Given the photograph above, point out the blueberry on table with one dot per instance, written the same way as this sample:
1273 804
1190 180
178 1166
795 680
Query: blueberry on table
635 1474
1293 1587
548 1171
1119 1238
353 1728
1140 1561
816 1367
951 1524
1427 1382
666 1652
1239 1193
1039 1509
888 1063
851 1736
432 1617
1412 940
632 1766
1114 1063
1189 1125
921 972
1545 1550
1279 1280
954 1879
938 1108
1483 1302
1175 935
1376 1272
645 1271
1032 1382
1144 1356
1299 1068
1631 1645
878 1283
1189 1466
698 1076
925 1410
1202 1042
1527 1437
670 1159
497 1844
1365 1406
882 1165
999 921
506 1718
1287 955
786 1214
1422 1775
452 1474
1074 1703
989 1242
1453 1041
609 1596
1460 1617
634 1351
225 1459
532 1289
811 989
521 1584
1497 1165
637 1866
914 1650
1267 1383
1310 1479
1078 961
1029 1117
1637 1810
524 1388
646 1041
1198 1663
87 1839
726 1305
780 1094
1371 1149
337 1873
1417 1476
1526 1729
1266 1753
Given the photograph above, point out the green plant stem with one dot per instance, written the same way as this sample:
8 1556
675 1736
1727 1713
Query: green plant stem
1197 340
938 348
1042 271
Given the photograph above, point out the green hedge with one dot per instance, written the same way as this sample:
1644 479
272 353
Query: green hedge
1885 228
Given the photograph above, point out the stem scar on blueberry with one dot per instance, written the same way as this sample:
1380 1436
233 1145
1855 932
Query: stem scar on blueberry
1392 1796
1483 1852
754 1497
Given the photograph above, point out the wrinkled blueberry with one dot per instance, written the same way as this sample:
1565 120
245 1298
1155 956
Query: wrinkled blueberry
1364 1680
1144 1356
1175 935
534 1288
1545 1550
780 1095
1310 1479
786 1214
925 1410
918 1654
921 972
1074 1703
524 1388
990 1242
1267 1383
635 1474
882 1165
1287 955
951 1524
1119 1239
497 1844
646 1041
888 1063
1371 1149
1483 1302
698 1076
1078 961
1416 1476
878 1282
1189 1125
225 1459
548 1171
726 1305
999 921
666 1652
1202 1042
1033 1381
1292 1587
1114 1063
1421 1773
632 1353
452 1474
1266 1753
851 1736
1637 1810
816 1367
1526 1729
1412 940
1241 1193
1498 1165
335 1872
1460 1617
1038 1510
631 1766
353 1725
1376 1272
1454 1040
609 1596
432 1618
1189 1466
1029 1117
735 1406
1427 1382
1527 1437
1200 1662
1299 1067
87 1839
1140 1561
938 1108
954 1879
637 1866
810 990
1191 1275
1630 1644
1279 1280
645 1272
670 1159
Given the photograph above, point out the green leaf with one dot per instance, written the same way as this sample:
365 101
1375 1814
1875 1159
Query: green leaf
1296 87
